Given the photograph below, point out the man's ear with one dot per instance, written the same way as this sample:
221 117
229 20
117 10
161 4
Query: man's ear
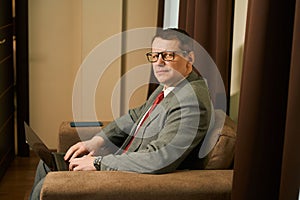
191 57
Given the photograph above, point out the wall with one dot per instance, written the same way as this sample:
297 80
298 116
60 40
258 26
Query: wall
240 13
171 13
61 34
54 56
140 13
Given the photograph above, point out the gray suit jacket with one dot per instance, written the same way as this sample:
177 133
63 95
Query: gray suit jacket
172 131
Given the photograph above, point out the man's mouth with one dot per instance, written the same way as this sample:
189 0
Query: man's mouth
161 71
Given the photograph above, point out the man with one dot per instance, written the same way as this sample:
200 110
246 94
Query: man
148 139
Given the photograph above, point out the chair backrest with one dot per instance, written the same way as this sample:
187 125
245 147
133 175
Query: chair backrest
222 154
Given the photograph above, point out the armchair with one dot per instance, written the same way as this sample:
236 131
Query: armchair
214 181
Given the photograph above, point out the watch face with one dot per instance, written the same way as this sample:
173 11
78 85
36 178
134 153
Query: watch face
97 163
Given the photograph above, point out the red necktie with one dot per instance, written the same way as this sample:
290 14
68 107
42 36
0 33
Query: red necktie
158 99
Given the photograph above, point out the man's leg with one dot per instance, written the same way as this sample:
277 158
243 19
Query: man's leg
36 190
41 172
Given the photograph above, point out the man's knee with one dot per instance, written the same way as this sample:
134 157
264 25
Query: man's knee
42 168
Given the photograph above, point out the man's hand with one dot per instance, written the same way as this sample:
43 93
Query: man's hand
85 163
83 148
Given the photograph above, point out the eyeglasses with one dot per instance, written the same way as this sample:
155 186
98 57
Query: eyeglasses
166 55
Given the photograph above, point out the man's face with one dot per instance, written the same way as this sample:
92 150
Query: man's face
170 72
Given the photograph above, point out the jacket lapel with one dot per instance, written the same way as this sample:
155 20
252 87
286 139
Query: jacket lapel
159 110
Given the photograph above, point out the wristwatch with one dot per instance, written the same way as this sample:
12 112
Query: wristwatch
97 163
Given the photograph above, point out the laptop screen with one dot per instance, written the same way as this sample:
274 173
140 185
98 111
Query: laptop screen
39 147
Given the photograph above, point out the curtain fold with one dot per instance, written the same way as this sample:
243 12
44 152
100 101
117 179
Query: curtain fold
290 176
210 23
263 117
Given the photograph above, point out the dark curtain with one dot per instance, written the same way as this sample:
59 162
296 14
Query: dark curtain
160 14
209 22
267 152
22 73
290 174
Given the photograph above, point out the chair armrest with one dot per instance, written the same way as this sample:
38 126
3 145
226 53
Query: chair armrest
193 184
68 135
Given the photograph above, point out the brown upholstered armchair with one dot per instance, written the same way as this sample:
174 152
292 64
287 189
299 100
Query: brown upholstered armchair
214 181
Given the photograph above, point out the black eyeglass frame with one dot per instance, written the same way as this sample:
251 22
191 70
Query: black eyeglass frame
163 55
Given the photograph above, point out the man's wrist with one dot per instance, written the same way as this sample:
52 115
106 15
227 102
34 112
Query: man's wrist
98 140
97 163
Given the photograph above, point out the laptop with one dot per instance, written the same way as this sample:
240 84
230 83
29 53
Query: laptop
54 160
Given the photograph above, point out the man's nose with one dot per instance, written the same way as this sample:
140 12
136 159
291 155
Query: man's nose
160 60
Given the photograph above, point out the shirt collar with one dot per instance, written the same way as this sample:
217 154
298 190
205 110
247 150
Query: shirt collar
167 90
